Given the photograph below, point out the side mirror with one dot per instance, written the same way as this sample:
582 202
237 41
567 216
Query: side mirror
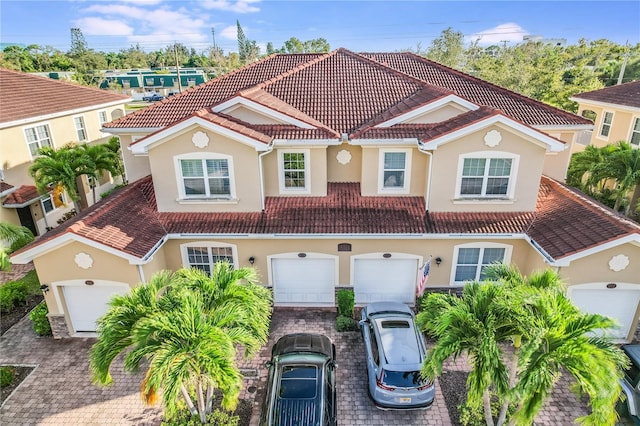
361 322
268 364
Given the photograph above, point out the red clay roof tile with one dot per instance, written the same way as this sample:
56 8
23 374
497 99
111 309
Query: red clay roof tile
22 195
26 96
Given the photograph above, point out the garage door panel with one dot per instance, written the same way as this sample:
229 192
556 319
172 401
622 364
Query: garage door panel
618 304
85 304
379 280
303 282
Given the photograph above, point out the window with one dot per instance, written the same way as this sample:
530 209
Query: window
634 139
206 177
607 119
49 203
294 171
471 261
38 137
204 258
483 175
80 129
102 116
395 171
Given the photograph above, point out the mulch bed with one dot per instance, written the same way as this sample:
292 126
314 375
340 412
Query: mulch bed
9 319
21 373
453 385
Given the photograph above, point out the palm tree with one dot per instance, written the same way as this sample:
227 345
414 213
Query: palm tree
114 146
588 168
186 325
103 160
16 237
624 167
61 168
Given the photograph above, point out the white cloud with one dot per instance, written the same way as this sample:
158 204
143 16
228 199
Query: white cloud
94 26
142 2
230 32
509 32
238 6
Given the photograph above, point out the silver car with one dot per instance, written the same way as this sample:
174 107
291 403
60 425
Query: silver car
395 351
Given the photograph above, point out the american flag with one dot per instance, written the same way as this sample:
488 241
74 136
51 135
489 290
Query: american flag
424 275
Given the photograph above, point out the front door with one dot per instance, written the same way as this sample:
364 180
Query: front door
24 214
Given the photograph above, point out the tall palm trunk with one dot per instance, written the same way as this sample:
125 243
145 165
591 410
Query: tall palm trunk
187 398
486 402
513 376
201 405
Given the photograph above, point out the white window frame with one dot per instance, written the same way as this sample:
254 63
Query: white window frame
515 160
635 119
404 189
208 245
307 171
38 142
508 249
82 128
602 124
203 156
49 198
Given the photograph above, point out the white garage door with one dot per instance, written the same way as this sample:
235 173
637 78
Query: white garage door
303 281
380 280
85 304
620 304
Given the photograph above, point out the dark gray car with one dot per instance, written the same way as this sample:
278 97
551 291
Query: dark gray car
301 387
630 407
395 351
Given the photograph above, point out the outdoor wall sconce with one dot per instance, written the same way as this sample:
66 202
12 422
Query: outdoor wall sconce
44 288
438 260
252 260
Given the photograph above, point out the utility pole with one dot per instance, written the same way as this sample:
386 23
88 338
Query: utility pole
175 52
624 64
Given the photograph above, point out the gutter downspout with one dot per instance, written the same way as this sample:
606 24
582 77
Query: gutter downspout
261 172
428 195
141 273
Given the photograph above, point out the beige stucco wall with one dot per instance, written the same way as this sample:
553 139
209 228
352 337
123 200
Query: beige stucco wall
445 172
136 167
595 267
349 172
249 116
620 127
59 265
443 113
246 178
557 163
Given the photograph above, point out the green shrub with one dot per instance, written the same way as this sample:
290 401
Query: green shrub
345 323
216 418
346 302
40 322
13 294
7 376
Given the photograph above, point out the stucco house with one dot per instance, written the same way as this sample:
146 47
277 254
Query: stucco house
36 112
342 170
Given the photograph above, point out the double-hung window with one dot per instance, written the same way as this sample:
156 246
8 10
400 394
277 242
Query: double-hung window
102 117
605 128
205 256
294 171
206 177
38 137
395 170
471 261
49 203
486 176
81 130
634 139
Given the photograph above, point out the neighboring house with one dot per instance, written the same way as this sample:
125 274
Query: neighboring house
617 113
38 112
342 170
165 81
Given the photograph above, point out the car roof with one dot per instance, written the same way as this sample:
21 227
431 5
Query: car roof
303 342
387 307
399 344
633 352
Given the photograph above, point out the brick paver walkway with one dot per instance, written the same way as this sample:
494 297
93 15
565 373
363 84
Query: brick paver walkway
16 272
59 391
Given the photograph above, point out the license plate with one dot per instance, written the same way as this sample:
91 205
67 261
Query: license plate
403 399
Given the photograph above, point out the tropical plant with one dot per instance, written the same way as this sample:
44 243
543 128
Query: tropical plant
113 144
103 159
186 325
548 333
15 237
39 321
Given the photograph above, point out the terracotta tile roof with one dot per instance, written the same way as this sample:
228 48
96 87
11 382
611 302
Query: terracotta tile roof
564 222
25 96
478 91
346 92
177 107
22 195
627 94
4 186
278 131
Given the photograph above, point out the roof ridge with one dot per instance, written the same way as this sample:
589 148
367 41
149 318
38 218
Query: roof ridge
501 89
293 70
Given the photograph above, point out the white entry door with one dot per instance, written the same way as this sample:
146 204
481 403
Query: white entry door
619 303
303 281
382 280
85 304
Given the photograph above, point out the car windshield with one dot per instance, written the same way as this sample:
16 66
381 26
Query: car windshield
402 379
298 381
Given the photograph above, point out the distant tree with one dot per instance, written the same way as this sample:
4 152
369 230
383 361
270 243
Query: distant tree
294 45
247 49
448 49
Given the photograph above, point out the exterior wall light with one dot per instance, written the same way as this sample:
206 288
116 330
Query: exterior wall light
438 260
252 260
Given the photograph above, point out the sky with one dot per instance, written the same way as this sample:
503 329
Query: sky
112 25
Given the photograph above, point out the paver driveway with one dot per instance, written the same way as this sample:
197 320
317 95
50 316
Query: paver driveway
59 391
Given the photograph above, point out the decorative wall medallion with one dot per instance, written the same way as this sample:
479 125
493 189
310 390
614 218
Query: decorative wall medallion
619 262
492 138
83 260
200 139
343 157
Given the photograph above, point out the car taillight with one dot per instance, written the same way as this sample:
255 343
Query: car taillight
382 385
425 386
